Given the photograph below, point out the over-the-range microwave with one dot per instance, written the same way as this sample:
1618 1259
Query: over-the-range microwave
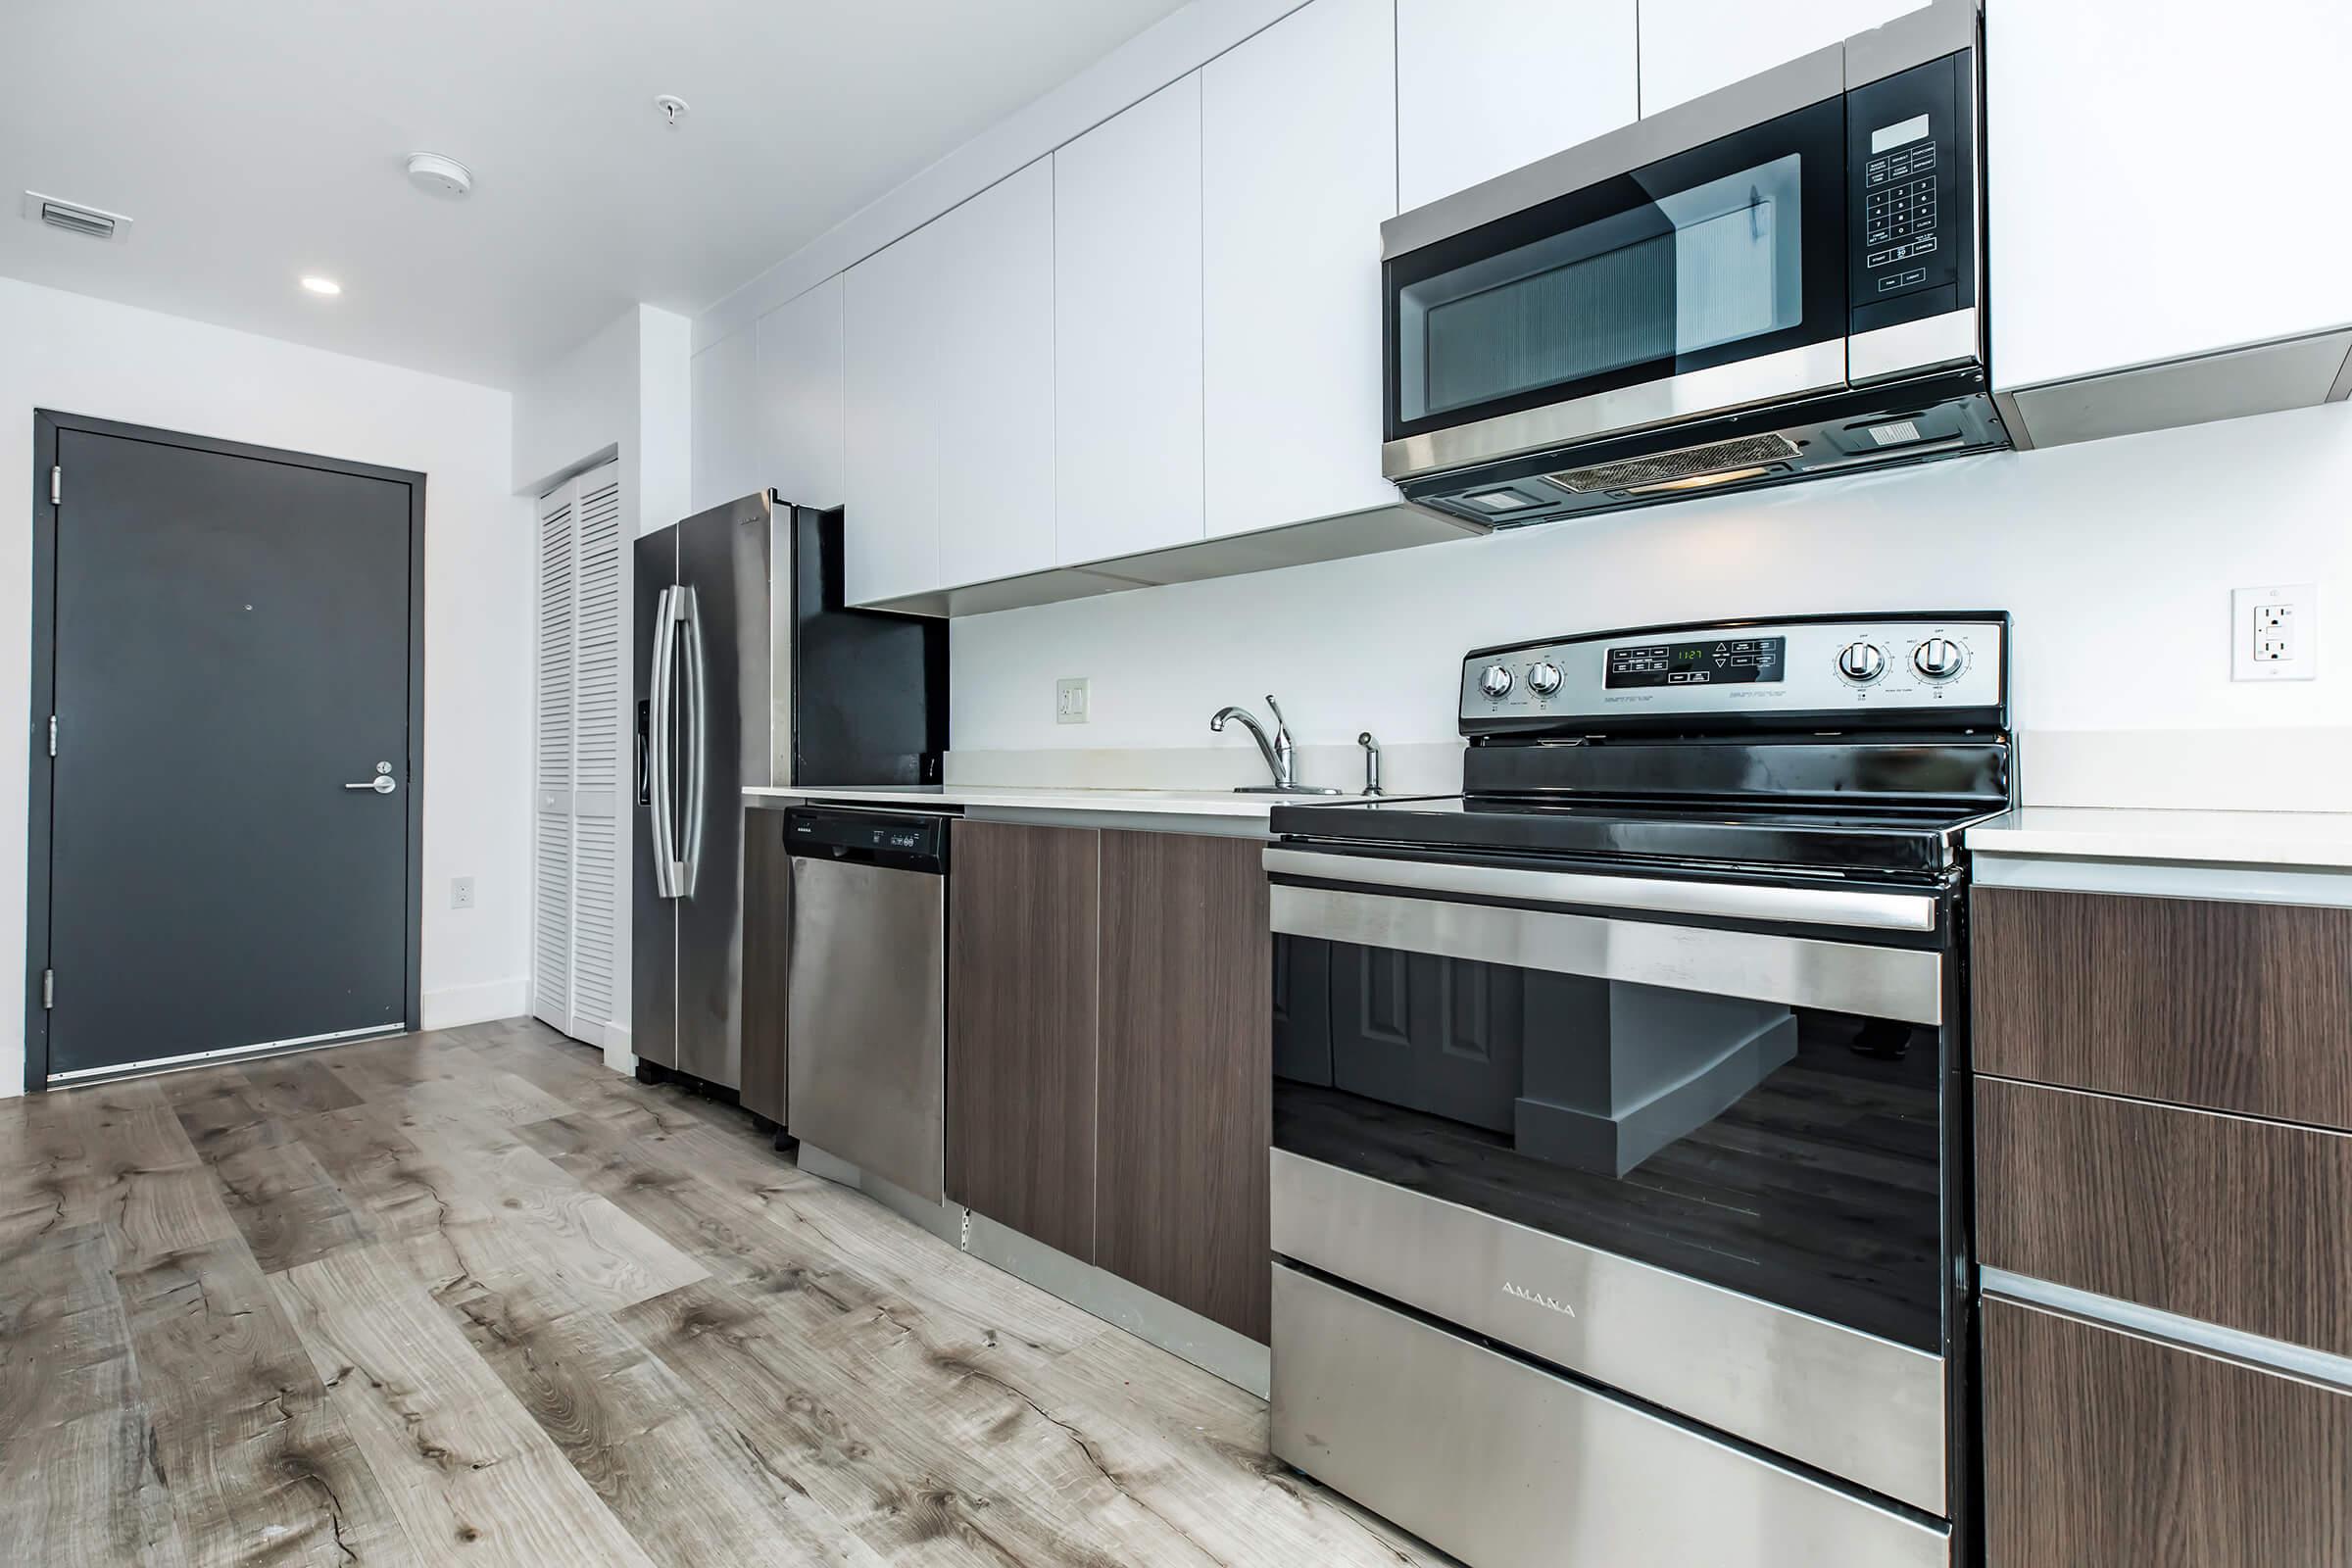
1782 279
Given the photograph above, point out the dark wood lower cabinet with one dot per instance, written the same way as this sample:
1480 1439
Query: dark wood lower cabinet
1022 934
767 961
1185 1093
2232 1006
2106 1451
2225 1219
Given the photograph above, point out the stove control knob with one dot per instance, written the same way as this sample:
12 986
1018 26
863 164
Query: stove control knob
1494 681
1939 658
1861 663
1543 679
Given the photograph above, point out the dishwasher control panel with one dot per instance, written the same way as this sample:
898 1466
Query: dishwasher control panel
885 838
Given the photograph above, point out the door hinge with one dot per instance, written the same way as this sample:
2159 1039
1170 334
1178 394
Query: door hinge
48 988
57 484
52 734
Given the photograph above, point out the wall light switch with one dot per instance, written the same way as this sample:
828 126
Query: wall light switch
1069 701
2275 632
460 893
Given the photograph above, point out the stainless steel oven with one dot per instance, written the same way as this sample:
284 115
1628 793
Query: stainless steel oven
1780 279
1619 1138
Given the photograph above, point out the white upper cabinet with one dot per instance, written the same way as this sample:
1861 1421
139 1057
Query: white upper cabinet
725 462
994 382
1691 47
1127 331
891 305
2165 180
798 403
1485 86
1297 171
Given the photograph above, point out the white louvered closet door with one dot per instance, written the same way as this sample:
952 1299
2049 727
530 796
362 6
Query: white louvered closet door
577 864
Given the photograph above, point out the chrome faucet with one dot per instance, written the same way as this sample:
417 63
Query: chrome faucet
1371 764
1281 757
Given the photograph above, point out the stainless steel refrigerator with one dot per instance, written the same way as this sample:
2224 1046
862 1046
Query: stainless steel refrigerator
749 671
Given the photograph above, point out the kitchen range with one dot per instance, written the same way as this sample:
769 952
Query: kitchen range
1620 1193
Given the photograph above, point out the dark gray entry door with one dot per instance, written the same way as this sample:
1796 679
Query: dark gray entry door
232 640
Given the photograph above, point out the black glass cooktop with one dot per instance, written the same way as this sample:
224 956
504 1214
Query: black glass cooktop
1881 837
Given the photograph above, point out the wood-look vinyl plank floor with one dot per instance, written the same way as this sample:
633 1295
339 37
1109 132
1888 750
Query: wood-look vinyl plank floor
472 1297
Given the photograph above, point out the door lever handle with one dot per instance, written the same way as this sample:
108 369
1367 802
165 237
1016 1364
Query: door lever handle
383 783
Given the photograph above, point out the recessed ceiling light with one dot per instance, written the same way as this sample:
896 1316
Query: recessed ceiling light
323 285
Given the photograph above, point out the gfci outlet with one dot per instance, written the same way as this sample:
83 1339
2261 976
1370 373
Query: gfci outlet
2275 632
1069 701
460 893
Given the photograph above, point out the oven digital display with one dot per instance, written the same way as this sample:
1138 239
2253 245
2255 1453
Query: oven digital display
1716 662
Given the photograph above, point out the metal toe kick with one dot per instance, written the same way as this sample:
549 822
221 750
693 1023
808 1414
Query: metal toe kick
1506 1465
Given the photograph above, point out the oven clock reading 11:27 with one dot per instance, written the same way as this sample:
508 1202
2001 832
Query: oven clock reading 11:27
1715 661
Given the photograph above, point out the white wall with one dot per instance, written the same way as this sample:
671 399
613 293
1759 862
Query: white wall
84 355
2117 559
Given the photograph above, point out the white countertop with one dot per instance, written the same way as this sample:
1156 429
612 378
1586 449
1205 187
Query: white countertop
1134 802
2315 840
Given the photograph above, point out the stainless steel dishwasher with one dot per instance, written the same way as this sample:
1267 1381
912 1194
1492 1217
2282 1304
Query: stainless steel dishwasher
866 1015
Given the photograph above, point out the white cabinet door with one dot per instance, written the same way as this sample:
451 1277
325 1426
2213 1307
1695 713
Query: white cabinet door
725 462
1299 133
994 382
1485 86
1127 331
889 332
2192 202
798 403
1691 47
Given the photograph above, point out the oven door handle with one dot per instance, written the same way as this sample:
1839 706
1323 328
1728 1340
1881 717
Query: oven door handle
1856 908
1875 982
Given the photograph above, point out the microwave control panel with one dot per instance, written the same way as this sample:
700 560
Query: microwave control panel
1910 156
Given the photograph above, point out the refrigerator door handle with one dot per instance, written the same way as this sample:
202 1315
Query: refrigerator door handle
697 739
668 879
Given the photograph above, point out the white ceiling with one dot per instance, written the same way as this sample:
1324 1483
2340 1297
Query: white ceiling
258 140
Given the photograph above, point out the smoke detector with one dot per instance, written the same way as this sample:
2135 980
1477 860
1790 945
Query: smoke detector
91 223
436 176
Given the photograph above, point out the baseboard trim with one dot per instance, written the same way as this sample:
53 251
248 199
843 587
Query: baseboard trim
617 1055
454 1005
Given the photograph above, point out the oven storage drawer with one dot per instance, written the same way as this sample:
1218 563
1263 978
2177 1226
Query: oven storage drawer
1850 1404
1506 1465
2214 1217
2110 1447
2228 1005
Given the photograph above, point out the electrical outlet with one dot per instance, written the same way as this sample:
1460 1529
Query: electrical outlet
460 893
2275 632
1069 701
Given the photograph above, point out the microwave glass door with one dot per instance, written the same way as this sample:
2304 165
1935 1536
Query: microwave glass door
1793 1154
1732 251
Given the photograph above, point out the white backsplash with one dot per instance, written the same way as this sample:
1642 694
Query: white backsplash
2115 558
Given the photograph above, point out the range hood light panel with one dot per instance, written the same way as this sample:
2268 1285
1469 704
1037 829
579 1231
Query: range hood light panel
1501 501
1702 481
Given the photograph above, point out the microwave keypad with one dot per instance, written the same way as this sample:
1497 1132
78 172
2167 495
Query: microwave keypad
1899 213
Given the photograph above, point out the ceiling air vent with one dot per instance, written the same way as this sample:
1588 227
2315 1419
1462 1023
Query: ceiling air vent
1690 463
91 223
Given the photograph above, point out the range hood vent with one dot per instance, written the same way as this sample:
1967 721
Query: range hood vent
91 223
1688 462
